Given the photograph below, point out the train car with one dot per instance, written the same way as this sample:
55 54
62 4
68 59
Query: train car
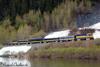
22 42
65 39
13 43
59 39
19 42
49 40
35 40
83 37
90 36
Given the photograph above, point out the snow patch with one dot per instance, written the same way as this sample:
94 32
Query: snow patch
58 34
14 49
95 26
96 34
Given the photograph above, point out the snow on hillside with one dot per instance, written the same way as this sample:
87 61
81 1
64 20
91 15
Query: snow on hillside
64 33
89 18
58 34
95 26
14 49
96 34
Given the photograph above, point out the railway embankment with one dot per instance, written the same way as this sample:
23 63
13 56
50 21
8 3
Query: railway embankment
71 50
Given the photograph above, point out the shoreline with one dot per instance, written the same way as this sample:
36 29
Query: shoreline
82 50
67 51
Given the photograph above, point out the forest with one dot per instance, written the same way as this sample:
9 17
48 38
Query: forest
22 19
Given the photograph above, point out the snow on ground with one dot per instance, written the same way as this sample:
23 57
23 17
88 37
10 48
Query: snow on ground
95 26
96 34
14 49
64 33
58 34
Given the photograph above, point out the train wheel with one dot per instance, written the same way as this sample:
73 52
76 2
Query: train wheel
91 38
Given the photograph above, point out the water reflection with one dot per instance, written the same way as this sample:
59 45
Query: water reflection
65 63
14 62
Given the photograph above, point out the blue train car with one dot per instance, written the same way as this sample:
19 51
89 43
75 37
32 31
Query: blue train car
35 40
49 40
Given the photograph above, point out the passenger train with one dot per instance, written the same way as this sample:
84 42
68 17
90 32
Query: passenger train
50 40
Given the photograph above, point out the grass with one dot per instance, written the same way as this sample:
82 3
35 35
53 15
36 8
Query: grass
1 46
53 51
71 52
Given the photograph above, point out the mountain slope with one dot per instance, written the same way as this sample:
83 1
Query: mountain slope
89 18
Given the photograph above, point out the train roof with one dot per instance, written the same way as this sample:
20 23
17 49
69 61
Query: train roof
59 38
80 34
49 38
36 39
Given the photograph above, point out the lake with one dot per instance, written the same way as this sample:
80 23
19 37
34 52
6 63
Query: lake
14 62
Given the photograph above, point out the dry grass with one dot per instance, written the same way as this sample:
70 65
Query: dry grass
71 50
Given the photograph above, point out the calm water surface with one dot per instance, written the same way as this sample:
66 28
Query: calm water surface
47 63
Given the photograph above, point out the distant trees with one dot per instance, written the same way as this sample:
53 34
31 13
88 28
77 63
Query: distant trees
85 31
23 32
12 8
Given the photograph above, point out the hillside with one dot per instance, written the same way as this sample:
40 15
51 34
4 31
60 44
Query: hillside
89 18
21 19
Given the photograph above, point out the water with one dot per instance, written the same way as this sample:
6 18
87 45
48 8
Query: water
49 63
64 63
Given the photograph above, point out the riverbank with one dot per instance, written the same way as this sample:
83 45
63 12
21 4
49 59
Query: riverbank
71 50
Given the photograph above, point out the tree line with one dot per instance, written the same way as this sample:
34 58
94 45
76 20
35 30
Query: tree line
12 8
